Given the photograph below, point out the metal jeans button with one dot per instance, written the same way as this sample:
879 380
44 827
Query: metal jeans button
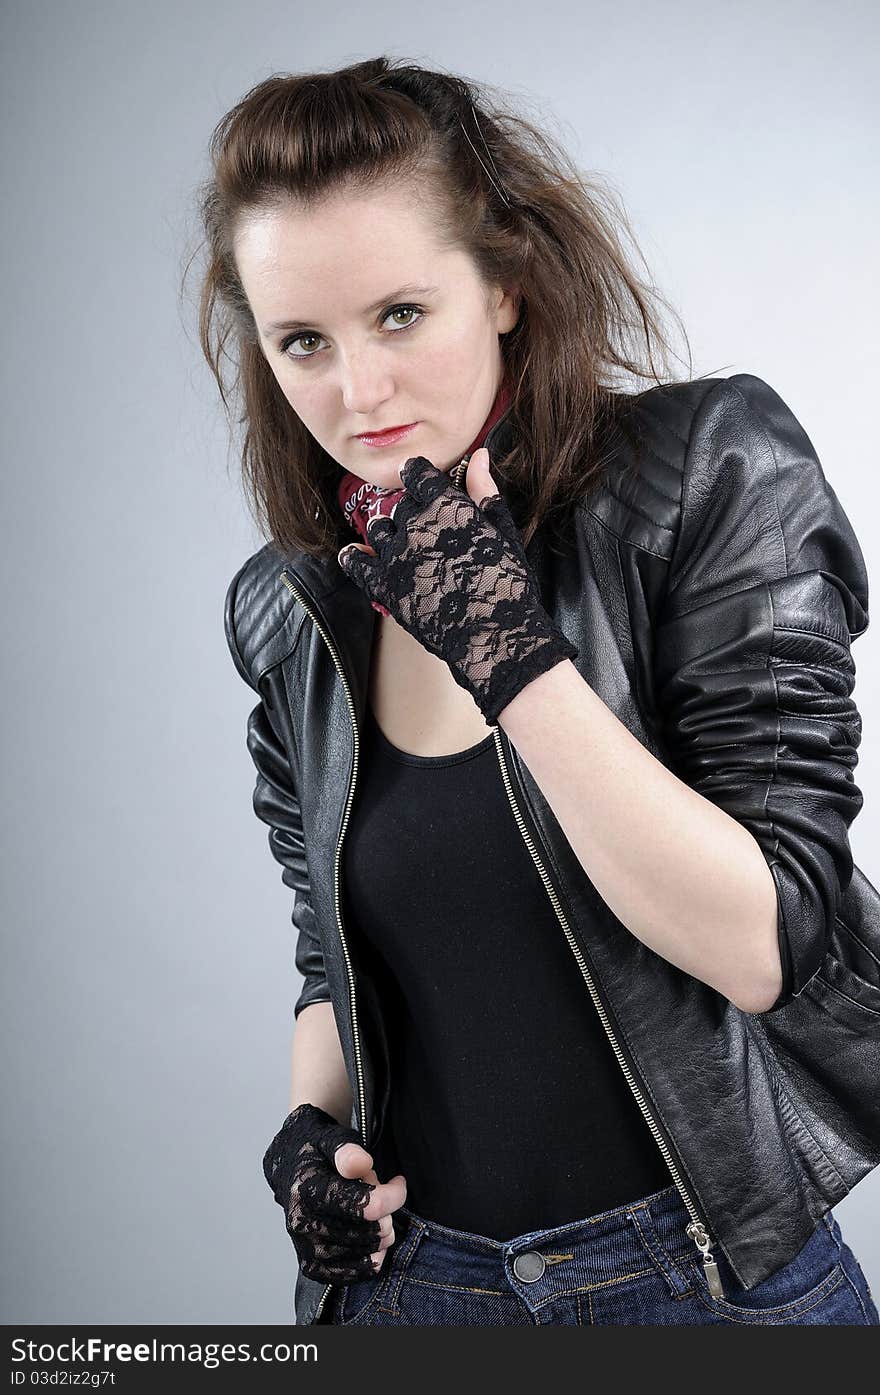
529 1267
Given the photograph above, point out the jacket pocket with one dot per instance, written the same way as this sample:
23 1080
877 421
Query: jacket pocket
844 995
826 1044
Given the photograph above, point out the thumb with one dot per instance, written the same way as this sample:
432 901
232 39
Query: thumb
351 1160
479 478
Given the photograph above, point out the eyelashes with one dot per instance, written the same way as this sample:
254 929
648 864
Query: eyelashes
311 334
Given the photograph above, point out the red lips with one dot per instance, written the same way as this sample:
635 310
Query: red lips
387 437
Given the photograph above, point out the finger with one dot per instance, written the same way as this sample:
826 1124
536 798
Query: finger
379 530
337 1261
387 1237
322 1227
358 547
353 1161
385 1224
356 553
361 567
495 508
323 1192
340 1266
345 554
422 479
364 569
386 1197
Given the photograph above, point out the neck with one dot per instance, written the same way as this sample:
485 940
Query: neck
361 501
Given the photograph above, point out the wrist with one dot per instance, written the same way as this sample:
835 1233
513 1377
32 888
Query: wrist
304 1125
510 675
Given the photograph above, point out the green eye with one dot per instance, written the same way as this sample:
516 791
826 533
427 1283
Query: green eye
306 334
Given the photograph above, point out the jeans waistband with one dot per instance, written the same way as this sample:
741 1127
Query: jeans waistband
627 1239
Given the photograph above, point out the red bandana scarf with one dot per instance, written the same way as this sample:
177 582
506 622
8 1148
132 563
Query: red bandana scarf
360 501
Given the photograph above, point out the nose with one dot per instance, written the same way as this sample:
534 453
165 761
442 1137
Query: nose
366 384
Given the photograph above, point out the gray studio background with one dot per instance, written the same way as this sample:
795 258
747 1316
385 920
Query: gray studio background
148 948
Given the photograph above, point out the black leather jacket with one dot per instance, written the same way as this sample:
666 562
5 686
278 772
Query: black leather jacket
712 584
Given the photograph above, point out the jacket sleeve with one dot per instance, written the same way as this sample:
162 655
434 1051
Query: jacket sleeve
767 588
276 804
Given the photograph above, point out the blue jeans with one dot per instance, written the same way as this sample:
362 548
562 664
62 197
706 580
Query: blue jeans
633 1265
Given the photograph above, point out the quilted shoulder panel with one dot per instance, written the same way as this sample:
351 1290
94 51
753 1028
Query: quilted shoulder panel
262 618
639 496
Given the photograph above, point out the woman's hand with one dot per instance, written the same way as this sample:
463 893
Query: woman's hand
449 565
351 1160
338 1213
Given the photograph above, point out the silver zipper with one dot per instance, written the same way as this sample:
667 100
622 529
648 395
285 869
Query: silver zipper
698 1234
697 1229
352 999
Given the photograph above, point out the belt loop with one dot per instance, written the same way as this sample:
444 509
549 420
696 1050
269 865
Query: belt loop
675 1280
405 1248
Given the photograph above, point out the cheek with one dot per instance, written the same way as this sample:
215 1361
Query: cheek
303 397
454 362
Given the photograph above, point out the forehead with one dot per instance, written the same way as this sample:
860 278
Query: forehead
346 240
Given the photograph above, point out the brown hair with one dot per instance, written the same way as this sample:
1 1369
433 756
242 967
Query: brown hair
583 312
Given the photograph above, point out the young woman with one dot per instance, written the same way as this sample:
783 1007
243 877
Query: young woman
557 758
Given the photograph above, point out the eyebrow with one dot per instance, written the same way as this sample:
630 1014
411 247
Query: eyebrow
402 291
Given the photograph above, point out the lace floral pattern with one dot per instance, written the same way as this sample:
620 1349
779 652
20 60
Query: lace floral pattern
455 575
323 1210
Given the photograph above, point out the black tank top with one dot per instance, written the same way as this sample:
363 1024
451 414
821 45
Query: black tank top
508 1110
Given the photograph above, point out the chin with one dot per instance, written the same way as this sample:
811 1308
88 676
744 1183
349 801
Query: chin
393 481
389 485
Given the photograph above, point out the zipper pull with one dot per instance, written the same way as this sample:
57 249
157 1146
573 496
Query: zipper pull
698 1233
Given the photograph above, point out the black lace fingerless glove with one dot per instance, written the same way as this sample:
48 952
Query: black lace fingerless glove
324 1211
455 575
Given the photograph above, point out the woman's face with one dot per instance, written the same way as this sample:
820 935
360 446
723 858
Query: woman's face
368 322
